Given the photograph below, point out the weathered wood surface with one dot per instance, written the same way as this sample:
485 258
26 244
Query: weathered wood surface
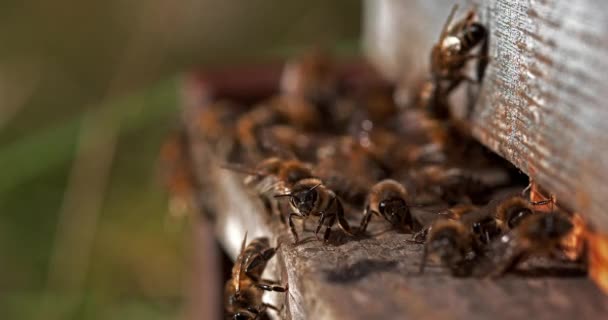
377 277
543 99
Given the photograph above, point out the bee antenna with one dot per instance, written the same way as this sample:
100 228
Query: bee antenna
526 189
238 276
444 31
283 195
314 187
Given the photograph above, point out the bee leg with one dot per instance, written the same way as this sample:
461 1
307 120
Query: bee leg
420 236
551 200
292 227
342 223
330 223
542 202
271 287
321 221
367 216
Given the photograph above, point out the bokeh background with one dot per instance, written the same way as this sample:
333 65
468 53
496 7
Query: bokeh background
88 91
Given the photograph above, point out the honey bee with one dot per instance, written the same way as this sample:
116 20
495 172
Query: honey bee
243 292
480 222
536 235
450 241
450 54
448 60
387 199
310 197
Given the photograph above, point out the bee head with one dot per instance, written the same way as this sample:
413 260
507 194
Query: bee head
395 211
304 198
476 31
516 214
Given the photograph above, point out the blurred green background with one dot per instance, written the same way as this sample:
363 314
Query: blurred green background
87 93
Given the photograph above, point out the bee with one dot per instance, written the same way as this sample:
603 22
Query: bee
448 60
450 241
310 197
273 176
243 292
387 199
450 54
536 235
479 222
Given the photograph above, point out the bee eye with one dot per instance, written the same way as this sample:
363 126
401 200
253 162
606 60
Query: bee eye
477 31
240 316
517 216
382 206
311 196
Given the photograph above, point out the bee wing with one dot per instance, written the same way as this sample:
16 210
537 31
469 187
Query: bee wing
238 266
475 216
425 216
239 168
446 26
